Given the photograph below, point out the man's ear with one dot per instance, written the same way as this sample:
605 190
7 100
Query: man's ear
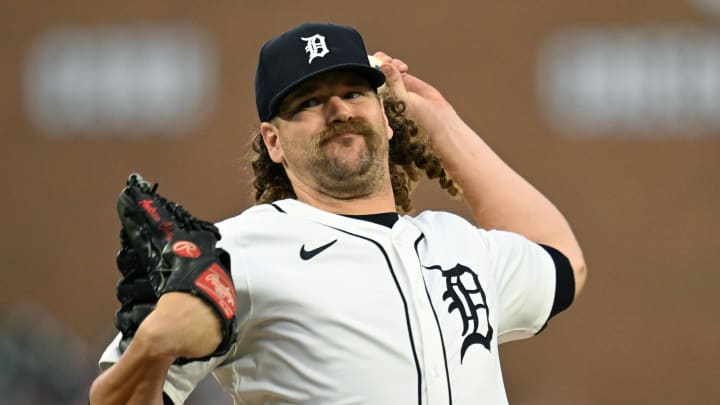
272 141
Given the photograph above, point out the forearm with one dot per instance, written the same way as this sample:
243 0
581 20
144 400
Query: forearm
137 378
181 325
498 197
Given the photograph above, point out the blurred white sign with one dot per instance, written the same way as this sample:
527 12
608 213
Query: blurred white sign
709 6
649 81
120 80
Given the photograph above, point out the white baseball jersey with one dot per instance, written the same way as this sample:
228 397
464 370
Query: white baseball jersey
339 310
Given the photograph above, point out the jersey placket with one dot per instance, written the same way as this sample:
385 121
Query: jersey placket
426 332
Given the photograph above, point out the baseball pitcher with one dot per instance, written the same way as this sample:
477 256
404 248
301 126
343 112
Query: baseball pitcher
327 291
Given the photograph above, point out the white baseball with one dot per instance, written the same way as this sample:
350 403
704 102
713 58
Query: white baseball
375 62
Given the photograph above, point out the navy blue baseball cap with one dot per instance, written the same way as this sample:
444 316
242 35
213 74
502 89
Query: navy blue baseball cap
304 52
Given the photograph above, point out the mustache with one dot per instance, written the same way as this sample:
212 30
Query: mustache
359 127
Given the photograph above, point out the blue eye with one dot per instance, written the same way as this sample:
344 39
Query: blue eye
311 102
353 94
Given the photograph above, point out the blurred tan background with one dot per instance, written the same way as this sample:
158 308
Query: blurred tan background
612 108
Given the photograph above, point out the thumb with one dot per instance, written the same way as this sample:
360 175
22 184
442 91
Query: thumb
421 90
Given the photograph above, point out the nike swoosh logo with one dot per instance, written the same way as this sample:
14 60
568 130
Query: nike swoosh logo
309 254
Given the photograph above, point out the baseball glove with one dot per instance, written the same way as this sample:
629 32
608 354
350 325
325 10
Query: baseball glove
166 249
134 291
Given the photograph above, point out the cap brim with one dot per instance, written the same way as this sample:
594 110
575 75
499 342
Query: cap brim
374 76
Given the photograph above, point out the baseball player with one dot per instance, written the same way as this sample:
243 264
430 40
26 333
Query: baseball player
341 297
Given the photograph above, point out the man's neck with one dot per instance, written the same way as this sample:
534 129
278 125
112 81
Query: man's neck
372 204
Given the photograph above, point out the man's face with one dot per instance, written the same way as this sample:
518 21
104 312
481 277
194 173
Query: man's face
331 134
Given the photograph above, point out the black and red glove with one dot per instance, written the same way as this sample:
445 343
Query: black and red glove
166 248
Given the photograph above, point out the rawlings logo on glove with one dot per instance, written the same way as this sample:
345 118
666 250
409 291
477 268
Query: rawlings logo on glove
219 287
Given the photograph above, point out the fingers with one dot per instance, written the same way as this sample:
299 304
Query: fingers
394 85
394 71
405 87
385 58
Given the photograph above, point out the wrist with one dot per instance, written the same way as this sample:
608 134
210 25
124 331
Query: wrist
182 325
155 340
449 134
443 121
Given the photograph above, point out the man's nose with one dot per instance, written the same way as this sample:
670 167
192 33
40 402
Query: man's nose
336 109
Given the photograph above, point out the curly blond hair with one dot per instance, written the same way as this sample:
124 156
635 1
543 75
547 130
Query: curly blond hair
409 154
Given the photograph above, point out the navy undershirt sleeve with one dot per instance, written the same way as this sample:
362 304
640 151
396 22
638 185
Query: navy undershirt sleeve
564 281
167 400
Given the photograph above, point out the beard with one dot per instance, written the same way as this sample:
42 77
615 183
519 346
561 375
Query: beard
350 176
